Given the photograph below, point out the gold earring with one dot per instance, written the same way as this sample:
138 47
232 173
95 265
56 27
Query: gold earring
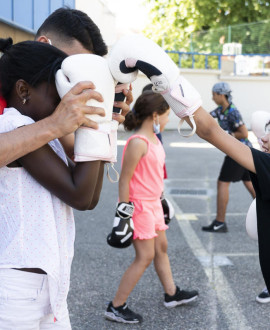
23 101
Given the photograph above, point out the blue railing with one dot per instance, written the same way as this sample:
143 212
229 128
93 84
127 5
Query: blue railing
208 55
193 54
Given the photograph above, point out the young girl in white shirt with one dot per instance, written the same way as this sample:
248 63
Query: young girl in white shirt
37 193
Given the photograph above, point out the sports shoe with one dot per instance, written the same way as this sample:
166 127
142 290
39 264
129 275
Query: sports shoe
216 227
122 314
180 297
263 297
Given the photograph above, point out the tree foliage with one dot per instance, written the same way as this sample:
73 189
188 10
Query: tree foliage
174 24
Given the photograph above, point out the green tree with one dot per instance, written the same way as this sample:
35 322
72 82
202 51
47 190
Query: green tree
173 24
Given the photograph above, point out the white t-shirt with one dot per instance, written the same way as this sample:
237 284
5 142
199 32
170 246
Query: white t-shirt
37 229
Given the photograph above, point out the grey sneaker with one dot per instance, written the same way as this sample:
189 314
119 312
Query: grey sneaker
122 314
216 227
263 297
180 297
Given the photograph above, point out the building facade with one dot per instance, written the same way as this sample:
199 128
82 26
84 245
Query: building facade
20 19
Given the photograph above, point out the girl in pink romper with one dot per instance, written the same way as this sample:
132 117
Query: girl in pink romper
141 182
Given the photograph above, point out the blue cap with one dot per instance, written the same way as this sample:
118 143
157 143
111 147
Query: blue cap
222 88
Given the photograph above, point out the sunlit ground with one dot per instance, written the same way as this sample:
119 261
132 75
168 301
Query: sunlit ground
203 145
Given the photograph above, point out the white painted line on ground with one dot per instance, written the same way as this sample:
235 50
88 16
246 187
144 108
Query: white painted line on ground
202 145
121 142
231 214
186 216
217 281
249 254
215 261
167 181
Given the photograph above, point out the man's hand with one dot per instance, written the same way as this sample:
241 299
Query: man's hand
70 112
120 117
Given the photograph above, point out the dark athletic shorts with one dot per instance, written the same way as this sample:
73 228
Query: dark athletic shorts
232 171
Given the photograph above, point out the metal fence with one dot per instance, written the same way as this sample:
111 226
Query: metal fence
254 38
244 64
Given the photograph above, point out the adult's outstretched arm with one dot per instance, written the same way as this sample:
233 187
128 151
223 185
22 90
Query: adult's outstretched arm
209 130
67 117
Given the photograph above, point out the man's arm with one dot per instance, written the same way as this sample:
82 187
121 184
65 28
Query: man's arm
68 116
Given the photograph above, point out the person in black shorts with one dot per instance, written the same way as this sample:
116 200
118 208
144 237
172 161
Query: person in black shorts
229 119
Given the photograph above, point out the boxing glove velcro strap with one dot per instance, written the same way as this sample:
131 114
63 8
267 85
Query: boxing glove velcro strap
125 210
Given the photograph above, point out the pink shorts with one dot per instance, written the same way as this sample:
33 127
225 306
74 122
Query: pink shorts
148 217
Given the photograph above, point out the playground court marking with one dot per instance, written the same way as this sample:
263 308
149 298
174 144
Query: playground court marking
212 267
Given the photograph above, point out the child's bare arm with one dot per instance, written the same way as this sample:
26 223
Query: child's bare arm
98 188
209 130
136 149
75 186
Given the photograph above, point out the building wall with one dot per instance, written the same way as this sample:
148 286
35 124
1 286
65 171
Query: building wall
249 93
30 14
16 34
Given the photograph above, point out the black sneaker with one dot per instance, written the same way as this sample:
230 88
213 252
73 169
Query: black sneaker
122 314
180 297
216 227
263 297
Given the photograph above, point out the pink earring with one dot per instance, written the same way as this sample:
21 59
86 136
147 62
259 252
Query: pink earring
23 101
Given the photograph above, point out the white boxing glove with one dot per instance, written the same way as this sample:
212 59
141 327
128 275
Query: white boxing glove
133 53
251 221
258 121
90 144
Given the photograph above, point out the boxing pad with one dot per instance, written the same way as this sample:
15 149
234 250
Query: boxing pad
133 53
122 232
168 209
258 121
91 144
251 221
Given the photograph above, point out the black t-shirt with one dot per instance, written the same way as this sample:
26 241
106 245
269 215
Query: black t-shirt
261 183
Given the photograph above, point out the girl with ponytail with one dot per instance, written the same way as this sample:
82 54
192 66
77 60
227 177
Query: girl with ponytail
141 184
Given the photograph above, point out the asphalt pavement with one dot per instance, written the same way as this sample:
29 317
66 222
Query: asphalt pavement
224 267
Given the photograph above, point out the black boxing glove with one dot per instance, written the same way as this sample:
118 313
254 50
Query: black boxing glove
122 232
168 209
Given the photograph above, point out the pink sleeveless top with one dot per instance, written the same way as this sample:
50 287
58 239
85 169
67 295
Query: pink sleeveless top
147 180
